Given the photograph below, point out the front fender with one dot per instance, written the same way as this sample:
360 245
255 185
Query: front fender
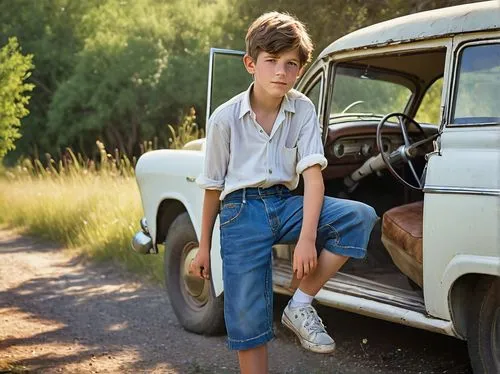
169 174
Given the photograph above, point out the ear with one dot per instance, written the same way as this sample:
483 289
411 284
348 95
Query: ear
249 64
301 71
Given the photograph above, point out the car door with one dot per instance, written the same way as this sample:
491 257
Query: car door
462 189
227 77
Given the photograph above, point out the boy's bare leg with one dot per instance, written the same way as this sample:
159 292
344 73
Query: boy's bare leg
328 264
253 361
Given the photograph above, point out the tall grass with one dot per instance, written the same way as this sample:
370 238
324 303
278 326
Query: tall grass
92 207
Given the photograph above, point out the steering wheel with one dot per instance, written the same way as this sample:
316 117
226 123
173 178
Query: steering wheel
407 151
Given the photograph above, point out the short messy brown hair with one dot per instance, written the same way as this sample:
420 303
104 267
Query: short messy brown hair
276 32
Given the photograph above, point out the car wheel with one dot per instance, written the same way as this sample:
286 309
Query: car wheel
192 298
484 328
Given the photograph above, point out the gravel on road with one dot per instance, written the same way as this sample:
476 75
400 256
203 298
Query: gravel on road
61 313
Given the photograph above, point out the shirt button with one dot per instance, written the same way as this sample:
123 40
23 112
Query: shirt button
270 171
261 131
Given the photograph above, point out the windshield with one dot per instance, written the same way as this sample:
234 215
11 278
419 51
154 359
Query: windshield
365 93
478 86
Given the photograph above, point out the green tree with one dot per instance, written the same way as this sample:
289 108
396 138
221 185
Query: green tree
328 20
119 70
50 31
141 66
14 70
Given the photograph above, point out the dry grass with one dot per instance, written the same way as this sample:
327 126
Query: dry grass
91 206
92 209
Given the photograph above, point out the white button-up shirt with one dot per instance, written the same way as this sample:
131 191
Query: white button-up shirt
239 153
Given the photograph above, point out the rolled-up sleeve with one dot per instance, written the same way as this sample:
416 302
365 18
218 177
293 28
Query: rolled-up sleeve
216 157
309 144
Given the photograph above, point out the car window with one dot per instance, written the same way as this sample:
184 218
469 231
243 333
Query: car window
229 78
477 86
367 93
429 109
314 92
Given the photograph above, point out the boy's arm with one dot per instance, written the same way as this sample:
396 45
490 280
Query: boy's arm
305 255
212 181
200 265
311 162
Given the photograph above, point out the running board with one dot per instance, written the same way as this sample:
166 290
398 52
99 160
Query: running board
345 292
355 286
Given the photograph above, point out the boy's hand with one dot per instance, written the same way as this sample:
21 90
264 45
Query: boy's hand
200 266
305 258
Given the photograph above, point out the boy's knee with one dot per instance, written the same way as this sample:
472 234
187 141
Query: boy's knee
369 213
364 214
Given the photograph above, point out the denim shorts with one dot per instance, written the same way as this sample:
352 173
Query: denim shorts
252 220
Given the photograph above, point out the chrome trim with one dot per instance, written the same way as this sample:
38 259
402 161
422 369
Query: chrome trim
141 243
144 226
462 190
457 59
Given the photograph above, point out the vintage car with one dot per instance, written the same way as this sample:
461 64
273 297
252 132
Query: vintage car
409 110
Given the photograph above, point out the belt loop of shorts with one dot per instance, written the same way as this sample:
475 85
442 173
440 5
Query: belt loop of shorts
244 195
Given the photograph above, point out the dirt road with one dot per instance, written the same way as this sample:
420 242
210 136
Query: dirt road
61 314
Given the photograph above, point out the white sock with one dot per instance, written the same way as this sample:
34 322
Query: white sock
300 299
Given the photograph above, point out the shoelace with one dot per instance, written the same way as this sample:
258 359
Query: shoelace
313 323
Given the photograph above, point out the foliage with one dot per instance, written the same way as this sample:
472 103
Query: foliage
429 110
328 20
14 69
187 131
50 31
118 70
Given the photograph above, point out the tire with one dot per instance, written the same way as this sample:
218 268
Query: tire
483 328
193 299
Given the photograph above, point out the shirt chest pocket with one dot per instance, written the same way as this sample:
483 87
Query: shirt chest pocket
287 160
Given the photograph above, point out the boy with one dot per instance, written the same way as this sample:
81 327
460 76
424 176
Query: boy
257 145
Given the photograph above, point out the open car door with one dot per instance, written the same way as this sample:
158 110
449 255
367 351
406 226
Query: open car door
227 77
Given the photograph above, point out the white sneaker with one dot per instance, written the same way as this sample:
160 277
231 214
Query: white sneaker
306 324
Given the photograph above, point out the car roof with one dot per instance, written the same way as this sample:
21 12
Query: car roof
424 25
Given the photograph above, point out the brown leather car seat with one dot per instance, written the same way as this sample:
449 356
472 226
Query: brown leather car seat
402 236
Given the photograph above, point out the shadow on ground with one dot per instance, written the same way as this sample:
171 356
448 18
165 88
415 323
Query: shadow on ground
100 314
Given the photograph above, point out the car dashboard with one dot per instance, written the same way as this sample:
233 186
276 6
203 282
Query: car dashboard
350 144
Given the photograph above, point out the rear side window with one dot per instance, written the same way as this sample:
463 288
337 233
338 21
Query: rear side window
476 99
314 93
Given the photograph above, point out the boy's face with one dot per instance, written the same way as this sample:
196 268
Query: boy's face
274 75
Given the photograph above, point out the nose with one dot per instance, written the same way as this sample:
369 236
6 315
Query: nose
280 69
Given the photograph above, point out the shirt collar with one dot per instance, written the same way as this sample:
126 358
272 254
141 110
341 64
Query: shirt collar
288 103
